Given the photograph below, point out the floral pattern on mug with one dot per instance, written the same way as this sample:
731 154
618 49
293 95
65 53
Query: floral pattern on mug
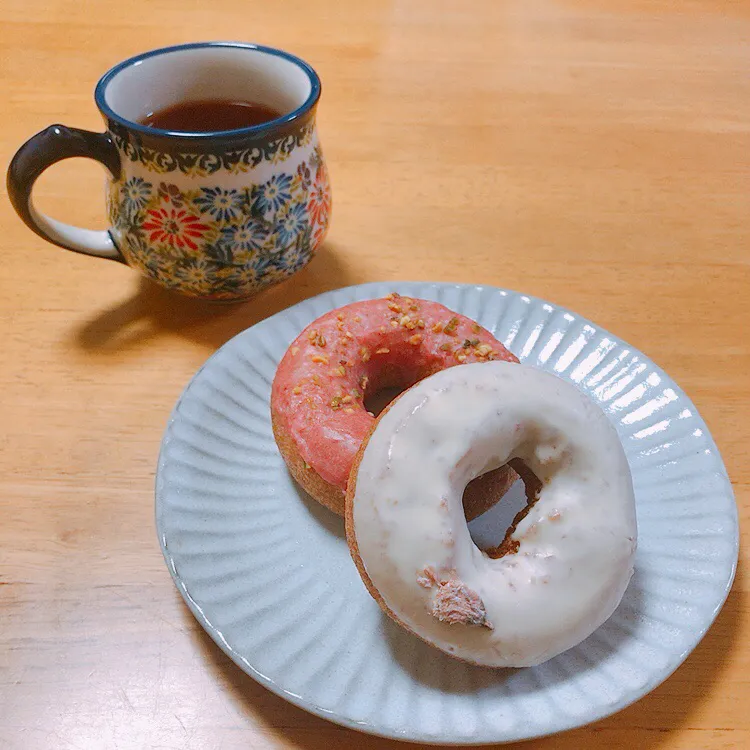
222 242
319 203
173 226
136 194
273 194
222 205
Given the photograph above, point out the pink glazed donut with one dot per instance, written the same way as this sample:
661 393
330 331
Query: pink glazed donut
317 400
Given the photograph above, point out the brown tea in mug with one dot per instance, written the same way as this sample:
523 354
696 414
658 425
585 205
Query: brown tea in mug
210 114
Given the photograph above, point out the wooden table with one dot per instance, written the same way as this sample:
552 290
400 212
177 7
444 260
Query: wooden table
593 153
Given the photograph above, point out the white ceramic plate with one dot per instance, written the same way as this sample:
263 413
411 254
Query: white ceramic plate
267 572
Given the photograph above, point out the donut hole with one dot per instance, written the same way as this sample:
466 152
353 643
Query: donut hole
388 380
376 400
492 531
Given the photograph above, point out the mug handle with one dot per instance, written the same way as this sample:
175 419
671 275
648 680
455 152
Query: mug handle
43 150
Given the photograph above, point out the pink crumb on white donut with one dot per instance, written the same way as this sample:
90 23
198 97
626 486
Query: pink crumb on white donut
454 602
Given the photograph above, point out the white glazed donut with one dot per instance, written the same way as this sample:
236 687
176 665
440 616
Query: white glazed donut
408 535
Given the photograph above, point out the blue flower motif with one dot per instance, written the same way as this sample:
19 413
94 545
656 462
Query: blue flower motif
136 193
261 263
247 236
272 195
299 258
136 245
223 205
290 222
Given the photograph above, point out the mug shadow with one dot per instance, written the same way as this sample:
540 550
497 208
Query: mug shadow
653 718
152 312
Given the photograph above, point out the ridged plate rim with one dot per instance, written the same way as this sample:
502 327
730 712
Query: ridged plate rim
324 302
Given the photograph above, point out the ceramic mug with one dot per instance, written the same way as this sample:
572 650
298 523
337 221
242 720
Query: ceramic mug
218 214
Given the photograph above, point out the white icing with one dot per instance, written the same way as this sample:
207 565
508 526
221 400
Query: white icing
577 543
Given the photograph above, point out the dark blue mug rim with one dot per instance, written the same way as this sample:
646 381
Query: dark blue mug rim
248 132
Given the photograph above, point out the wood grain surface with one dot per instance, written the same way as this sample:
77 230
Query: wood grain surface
593 153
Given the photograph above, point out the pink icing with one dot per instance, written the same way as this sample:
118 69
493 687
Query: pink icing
318 392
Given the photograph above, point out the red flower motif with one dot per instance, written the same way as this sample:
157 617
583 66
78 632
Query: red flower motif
319 202
176 227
